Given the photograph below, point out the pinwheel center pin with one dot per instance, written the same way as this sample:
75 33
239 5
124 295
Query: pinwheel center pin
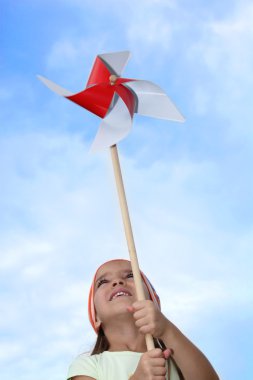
113 78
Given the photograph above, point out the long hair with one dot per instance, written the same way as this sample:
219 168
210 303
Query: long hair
101 344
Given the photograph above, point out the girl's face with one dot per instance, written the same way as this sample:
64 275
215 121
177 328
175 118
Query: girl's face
114 290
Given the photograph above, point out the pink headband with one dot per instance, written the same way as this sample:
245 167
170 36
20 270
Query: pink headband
91 308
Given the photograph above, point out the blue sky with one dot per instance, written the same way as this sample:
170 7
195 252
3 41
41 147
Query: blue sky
189 186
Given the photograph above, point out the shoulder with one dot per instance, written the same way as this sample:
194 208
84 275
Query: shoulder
84 358
82 378
83 365
107 365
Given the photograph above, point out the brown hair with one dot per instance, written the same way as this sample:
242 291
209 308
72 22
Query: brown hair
101 344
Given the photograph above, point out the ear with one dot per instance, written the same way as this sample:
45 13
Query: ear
97 323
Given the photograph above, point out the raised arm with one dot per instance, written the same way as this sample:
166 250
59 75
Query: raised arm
191 361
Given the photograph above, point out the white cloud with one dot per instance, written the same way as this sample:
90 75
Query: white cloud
231 42
21 251
69 199
223 50
187 299
156 33
70 51
9 351
146 28
59 211
201 100
62 54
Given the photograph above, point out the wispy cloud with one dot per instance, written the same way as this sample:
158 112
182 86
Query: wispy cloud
188 186
224 50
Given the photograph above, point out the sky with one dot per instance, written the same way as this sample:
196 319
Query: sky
189 186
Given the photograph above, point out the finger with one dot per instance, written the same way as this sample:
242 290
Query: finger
137 305
142 322
130 309
140 314
145 323
146 329
167 353
159 371
137 314
155 353
157 362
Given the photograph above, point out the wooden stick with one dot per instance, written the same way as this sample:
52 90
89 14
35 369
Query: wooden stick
129 235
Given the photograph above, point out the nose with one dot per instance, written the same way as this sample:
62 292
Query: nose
117 282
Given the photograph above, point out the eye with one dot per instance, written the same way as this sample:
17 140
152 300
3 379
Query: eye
130 275
101 282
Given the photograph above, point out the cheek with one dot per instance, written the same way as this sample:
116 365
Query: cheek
96 301
98 304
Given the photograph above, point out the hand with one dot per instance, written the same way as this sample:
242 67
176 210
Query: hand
148 318
152 365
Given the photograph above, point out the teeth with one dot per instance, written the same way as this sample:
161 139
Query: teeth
119 294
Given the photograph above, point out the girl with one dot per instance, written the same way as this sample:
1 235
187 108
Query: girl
121 323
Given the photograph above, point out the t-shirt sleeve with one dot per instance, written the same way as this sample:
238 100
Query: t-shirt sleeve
83 365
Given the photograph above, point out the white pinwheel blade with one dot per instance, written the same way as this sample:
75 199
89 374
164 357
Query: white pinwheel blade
114 127
152 101
54 87
116 61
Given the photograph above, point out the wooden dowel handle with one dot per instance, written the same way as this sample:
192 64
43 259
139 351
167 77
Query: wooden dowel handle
129 235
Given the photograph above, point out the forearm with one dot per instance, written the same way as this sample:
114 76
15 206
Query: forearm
191 361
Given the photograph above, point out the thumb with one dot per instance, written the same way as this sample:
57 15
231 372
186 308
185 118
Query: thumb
130 309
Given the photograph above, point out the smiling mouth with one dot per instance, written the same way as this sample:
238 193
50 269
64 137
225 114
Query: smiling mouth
120 294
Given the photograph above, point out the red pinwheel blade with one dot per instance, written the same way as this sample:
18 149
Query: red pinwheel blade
95 99
107 64
117 101
99 73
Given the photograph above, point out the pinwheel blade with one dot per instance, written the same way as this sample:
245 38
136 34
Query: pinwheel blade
114 127
105 65
116 61
54 87
99 73
152 101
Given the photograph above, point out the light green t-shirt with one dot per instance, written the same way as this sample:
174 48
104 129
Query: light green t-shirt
110 366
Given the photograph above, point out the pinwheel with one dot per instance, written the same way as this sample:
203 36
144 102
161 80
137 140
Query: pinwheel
115 100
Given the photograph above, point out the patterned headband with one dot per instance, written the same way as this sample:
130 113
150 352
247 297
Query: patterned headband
91 308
